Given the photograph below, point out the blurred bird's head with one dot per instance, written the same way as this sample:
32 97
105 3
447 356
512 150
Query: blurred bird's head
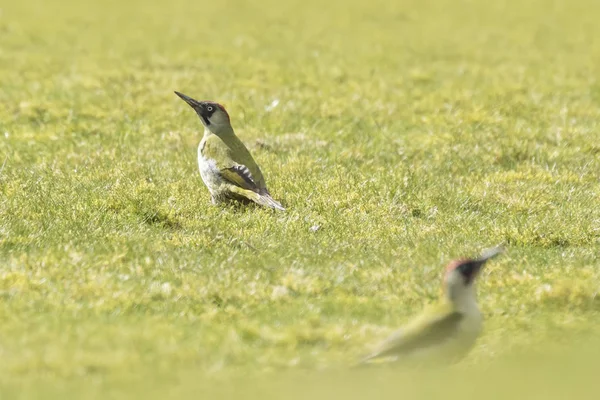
460 276
213 115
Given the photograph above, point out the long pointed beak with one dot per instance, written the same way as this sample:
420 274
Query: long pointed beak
488 254
195 104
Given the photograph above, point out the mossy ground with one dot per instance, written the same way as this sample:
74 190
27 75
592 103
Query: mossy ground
399 135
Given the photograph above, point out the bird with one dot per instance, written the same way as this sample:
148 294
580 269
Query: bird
226 166
444 333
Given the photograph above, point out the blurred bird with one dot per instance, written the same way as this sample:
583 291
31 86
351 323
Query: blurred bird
226 166
447 331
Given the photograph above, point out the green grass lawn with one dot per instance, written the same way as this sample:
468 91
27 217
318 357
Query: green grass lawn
399 135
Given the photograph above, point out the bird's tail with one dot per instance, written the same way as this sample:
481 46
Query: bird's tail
360 364
365 361
268 201
371 360
264 199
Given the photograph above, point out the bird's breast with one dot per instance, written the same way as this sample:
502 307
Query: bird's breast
463 340
209 170
471 325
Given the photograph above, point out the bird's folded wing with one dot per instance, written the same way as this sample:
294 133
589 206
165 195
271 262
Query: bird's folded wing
240 176
420 334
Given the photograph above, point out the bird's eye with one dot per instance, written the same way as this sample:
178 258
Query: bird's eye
210 108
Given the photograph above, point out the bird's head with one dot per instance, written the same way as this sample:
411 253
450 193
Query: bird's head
461 274
213 115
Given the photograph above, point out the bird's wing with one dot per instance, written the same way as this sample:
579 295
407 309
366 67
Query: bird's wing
432 328
235 163
240 176
240 155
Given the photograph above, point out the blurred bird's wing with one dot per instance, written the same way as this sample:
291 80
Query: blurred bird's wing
432 328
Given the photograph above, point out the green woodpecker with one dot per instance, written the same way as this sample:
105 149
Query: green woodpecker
445 332
226 166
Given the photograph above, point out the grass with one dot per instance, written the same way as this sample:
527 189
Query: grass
398 135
